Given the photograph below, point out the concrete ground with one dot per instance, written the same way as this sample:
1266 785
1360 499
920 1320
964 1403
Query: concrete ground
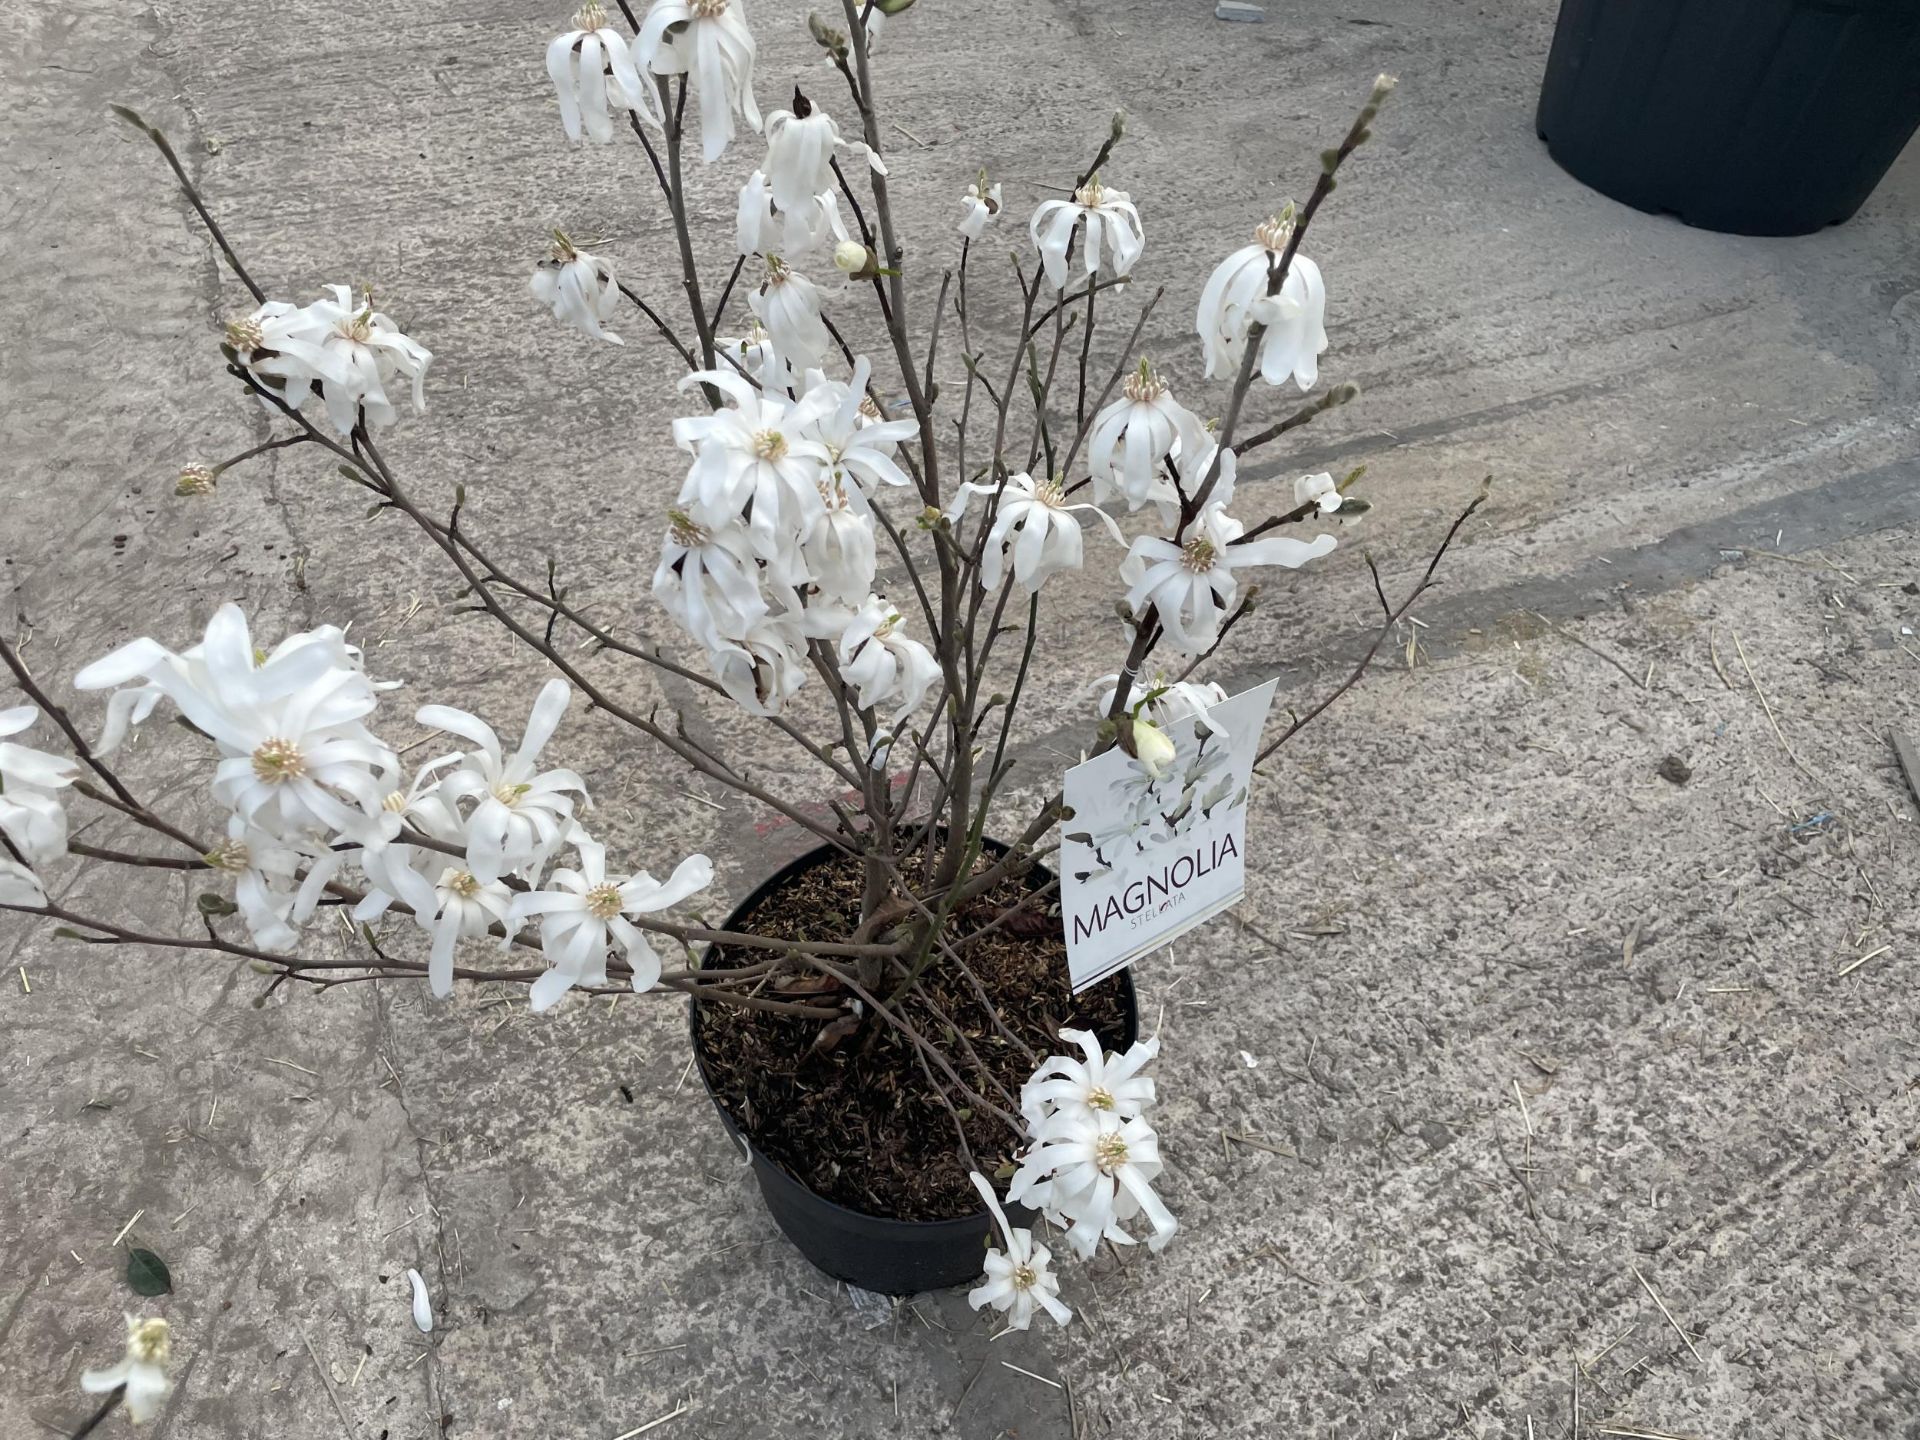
1568 1092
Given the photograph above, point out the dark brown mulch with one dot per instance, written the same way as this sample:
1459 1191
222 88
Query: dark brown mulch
857 1122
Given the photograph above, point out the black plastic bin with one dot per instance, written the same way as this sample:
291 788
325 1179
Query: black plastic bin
1760 117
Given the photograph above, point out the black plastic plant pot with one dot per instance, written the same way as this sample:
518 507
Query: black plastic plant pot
1758 117
874 1252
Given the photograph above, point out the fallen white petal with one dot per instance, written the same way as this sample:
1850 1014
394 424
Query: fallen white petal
422 1306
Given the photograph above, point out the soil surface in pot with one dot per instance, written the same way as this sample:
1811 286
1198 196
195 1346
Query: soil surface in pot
859 1122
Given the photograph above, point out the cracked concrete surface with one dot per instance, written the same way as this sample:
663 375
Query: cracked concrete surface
1477 1116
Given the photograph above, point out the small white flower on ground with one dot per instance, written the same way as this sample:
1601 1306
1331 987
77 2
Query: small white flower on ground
1133 435
579 288
707 579
788 304
1236 296
708 41
1113 239
422 1304
800 146
143 1371
1020 1278
521 815
581 62
1192 584
31 813
1035 522
1317 490
1108 1083
585 914
979 208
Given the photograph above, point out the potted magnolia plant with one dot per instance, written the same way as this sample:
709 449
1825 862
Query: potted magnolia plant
858 556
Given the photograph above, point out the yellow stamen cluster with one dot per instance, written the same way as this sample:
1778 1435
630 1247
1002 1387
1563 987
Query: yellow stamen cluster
591 17
869 409
1198 556
195 480
276 761
1025 1277
603 902
1143 384
1276 231
460 883
685 533
1100 1098
708 9
148 1342
509 795
1110 1152
229 855
769 445
1050 493
244 333
1092 194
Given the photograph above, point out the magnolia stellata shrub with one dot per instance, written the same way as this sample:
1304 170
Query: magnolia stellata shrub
854 523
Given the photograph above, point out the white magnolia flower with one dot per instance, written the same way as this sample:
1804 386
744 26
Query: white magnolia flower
1317 490
143 1371
707 579
297 758
1166 702
582 62
1091 1172
1103 1082
19 885
585 915
31 813
753 451
840 550
521 814
800 146
708 41
979 208
1113 241
448 901
1236 295
788 304
761 228
1133 435
277 885
1191 585
883 664
1019 1279
1035 520
764 667
859 441
281 345
755 356
371 351
579 288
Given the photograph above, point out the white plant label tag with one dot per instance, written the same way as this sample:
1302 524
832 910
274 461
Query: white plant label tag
1147 857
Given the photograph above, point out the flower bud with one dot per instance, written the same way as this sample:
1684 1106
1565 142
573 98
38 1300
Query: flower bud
1345 393
855 260
833 41
1151 747
195 480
